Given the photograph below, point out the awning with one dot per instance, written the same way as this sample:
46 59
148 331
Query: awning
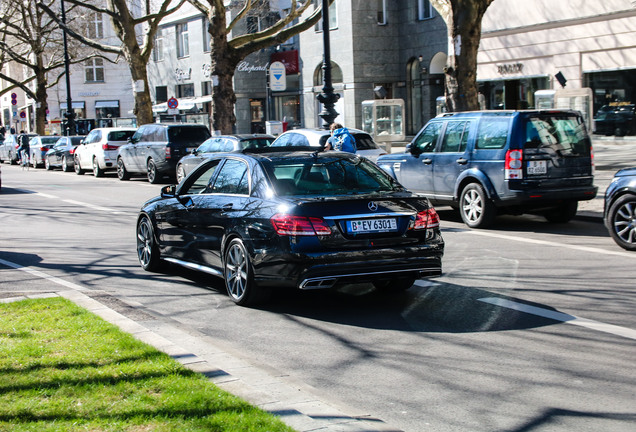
76 105
203 99
106 104
162 107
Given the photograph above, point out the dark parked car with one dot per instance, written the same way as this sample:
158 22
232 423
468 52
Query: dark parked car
220 144
620 208
155 149
616 120
38 146
308 220
490 162
61 154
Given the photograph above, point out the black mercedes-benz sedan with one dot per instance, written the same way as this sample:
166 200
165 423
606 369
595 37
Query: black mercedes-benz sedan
269 218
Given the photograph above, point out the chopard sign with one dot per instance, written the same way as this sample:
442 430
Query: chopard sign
510 68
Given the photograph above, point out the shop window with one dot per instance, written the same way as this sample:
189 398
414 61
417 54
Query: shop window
183 40
107 109
414 94
157 52
94 70
424 10
336 74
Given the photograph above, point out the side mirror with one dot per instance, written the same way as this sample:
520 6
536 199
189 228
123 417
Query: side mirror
413 149
169 191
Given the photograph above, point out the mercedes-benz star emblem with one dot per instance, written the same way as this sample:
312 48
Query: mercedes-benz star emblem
373 206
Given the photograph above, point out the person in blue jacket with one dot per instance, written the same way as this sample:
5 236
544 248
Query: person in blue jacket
341 139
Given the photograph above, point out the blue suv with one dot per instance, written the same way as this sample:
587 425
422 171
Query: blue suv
489 162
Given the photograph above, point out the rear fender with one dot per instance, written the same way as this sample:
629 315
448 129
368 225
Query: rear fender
474 175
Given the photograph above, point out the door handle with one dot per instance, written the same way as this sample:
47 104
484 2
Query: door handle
227 207
462 161
427 161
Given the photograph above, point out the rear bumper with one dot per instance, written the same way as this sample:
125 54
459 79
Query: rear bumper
326 270
544 197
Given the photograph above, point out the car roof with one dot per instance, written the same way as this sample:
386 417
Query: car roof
244 136
320 132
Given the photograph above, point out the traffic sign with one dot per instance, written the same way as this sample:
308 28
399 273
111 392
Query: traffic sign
173 103
277 77
22 114
14 95
14 102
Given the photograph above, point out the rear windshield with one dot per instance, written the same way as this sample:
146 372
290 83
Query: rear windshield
77 140
120 135
49 140
253 143
364 141
179 134
561 134
327 176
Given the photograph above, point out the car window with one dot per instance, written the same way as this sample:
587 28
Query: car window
232 178
455 137
183 134
119 135
364 141
206 146
426 141
282 141
254 143
297 139
560 134
77 140
201 180
49 140
327 176
227 145
492 133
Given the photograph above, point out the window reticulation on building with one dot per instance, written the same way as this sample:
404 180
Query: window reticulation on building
333 17
157 52
185 90
183 40
94 25
424 9
94 70
207 37
381 7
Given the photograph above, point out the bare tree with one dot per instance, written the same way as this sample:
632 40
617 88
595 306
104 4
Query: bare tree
137 41
32 42
227 53
463 20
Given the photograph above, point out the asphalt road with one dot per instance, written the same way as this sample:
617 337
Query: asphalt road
531 328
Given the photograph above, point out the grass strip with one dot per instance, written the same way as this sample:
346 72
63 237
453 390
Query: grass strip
63 368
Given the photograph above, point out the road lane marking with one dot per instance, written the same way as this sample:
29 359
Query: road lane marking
550 243
77 203
563 317
43 275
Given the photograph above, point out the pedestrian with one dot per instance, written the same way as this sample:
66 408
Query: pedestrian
341 139
24 149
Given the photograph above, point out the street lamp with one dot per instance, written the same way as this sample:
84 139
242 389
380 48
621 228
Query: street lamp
70 113
328 98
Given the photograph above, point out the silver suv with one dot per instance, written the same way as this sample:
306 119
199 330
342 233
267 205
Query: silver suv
98 151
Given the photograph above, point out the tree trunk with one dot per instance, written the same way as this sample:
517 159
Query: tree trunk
223 63
143 102
464 33
42 105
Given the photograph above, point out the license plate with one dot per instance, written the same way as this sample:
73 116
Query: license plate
371 225
537 167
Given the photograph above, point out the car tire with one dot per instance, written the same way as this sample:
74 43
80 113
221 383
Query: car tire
77 167
563 213
475 208
97 171
619 132
239 275
122 172
47 164
151 170
180 173
394 285
65 166
621 221
147 247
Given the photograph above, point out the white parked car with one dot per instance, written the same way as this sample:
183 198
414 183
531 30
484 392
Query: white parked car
318 138
98 151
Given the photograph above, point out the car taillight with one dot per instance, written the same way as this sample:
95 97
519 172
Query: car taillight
592 159
426 219
513 168
72 151
109 147
299 225
44 149
168 152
